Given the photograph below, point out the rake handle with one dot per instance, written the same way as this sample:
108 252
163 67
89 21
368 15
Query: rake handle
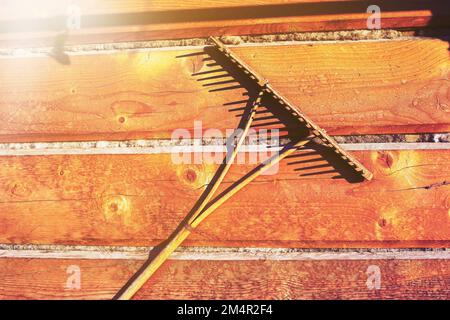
130 289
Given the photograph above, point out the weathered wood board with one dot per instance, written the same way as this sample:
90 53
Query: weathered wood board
140 199
24 23
178 279
348 88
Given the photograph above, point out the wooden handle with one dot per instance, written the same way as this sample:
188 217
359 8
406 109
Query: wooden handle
149 268
142 276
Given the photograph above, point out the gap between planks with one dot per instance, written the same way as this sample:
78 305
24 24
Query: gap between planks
115 147
104 48
217 253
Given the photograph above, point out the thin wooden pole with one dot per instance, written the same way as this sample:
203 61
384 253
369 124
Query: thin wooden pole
252 175
183 231
229 159
142 276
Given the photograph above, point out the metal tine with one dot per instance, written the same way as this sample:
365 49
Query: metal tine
315 129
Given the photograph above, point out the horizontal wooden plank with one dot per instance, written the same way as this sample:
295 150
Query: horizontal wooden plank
347 88
25 24
313 202
20 9
24 9
100 279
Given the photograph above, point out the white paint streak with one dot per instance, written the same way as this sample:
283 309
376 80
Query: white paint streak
396 146
83 50
218 253
111 148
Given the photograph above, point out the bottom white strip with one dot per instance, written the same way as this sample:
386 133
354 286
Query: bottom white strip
217 253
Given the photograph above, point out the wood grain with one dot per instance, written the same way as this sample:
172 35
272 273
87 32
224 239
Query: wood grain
347 88
17 9
100 279
26 24
140 199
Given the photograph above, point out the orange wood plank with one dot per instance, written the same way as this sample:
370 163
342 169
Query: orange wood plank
100 279
31 24
140 199
347 88
27 9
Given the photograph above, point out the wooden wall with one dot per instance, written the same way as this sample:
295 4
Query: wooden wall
57 194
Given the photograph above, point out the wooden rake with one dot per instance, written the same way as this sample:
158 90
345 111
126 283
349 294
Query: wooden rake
206 204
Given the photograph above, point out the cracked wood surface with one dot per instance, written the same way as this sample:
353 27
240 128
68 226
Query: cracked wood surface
139 20
140 199
100 279
347 88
